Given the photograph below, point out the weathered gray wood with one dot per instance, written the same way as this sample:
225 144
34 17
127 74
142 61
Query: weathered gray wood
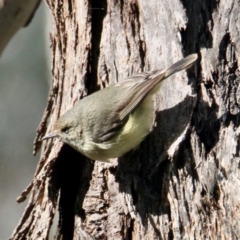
183 180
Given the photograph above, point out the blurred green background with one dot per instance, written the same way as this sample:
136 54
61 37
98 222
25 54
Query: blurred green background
24 83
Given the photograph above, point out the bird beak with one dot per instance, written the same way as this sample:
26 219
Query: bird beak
50 135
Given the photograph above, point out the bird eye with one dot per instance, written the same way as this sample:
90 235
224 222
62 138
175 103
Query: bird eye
65 129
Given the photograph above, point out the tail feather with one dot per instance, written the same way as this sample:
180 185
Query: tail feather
184 63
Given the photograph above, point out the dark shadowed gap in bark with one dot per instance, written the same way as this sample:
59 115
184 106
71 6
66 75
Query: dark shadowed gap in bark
74 170
195 38
207 126
137 169
72 176
232 78
98 12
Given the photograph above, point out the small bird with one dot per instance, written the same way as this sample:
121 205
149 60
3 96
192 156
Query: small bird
114 120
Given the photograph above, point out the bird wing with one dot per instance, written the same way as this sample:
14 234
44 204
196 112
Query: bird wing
128 94
142 84
140 87
133 90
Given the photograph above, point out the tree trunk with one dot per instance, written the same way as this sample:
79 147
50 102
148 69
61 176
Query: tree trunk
182 181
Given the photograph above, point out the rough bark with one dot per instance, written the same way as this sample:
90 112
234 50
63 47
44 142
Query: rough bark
183 180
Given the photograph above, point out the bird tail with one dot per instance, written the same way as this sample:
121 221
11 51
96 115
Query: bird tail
184 63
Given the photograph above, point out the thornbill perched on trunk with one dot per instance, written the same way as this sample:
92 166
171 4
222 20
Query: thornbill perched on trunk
182 181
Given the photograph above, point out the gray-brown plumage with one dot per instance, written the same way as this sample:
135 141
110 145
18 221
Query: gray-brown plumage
112 121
